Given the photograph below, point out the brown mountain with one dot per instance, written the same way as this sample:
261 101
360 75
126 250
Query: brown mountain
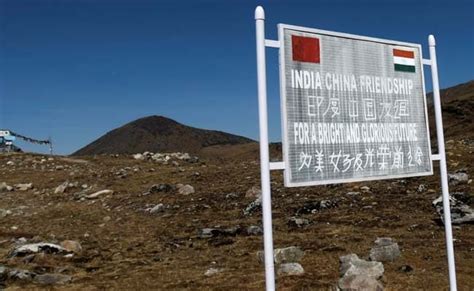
158 134
458 112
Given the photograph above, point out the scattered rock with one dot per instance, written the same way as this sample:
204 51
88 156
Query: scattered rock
283 255
157 208
422 188
315 206
460 212
52 279
406 269
352 265
385 250
24 187
160 188
365 188
458 178
4 212
72 246
139 157
254 192
47 248
99 193
296 222
254 230
186 190
61 188
253 206
22 275
212 271
214 232
290 269
359 283
5 187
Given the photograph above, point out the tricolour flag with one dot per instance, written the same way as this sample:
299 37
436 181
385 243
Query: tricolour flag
404 60
305 49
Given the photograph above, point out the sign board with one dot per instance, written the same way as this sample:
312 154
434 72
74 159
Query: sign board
353 108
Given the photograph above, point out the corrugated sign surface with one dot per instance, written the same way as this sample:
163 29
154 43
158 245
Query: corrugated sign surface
353 108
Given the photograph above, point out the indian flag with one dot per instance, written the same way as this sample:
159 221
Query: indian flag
404 60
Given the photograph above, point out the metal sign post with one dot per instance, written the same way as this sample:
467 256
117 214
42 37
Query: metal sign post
377 126
442 164
264 155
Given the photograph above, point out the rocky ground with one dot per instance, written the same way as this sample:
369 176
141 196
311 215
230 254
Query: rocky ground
178 222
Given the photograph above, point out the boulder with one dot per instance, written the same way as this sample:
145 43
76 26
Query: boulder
359 283
42 247
385 250
460 212
458 178
290 269
352 265
291 254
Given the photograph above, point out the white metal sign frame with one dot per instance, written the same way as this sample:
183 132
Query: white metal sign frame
266 166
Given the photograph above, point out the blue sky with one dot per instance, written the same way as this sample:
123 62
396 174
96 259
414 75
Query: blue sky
74 70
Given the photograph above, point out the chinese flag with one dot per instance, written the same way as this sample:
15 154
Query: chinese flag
305 49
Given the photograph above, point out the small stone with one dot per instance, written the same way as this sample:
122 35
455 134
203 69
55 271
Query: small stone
186 190
51 279
99 193
254 192
385 250
24 187
406 269
72 246
5 187
254 230
4 212
157 208
212 271
290 269
253 206
10 163
106 218
61 188
296 222
422 188
139 157
365 188
160 188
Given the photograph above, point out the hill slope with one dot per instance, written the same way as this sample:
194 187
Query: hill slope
158 134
